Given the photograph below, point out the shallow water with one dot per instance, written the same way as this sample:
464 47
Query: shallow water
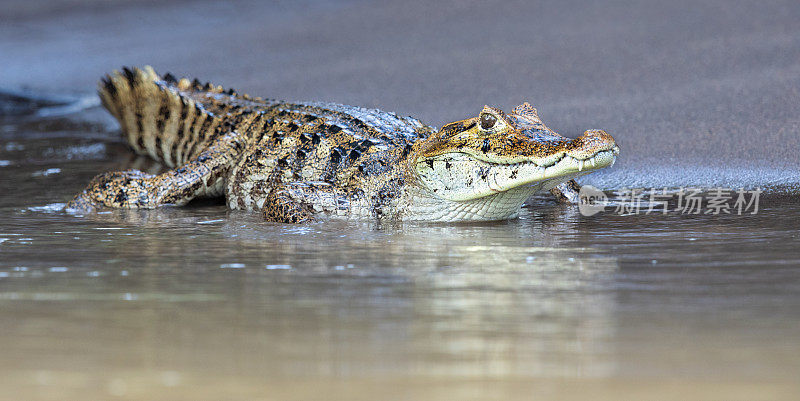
201 302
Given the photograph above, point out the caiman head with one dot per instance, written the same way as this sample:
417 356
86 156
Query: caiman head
497 153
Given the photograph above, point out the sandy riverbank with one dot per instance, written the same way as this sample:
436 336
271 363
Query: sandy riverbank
695 93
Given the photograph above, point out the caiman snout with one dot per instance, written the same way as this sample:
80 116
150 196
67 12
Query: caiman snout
591 142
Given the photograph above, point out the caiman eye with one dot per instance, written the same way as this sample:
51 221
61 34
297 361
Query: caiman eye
488 121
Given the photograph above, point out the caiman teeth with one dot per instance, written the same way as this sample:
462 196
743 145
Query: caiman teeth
582 164
589 162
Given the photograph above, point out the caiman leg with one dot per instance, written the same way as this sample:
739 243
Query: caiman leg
204 175
298 202
567 192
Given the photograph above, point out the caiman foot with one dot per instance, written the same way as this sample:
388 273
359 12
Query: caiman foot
281 207
567 192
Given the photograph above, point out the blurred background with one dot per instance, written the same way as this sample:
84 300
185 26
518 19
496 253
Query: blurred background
204 303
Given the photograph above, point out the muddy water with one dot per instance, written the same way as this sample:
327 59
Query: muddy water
204 303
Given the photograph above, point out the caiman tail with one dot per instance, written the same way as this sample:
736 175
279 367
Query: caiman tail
169 119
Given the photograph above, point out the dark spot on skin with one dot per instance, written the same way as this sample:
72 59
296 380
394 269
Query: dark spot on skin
267 123
183 109
430 163
364 145
194 187
139 122
121 197
359 124
406 151
203 131
387 193
354 154
174 150
292 127
202 158
282 162
164 114
486 146
196 83
315 139
334 129
159 150
309 118
169 78
207 86
231 91
336 155
484 173
513 174
447 165
305 137
110 88
129 75
301 154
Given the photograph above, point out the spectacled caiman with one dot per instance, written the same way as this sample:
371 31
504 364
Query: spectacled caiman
296 162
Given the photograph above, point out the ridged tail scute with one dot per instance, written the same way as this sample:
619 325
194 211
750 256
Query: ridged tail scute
162 117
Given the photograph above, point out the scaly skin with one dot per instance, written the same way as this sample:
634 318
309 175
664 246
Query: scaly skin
296 162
